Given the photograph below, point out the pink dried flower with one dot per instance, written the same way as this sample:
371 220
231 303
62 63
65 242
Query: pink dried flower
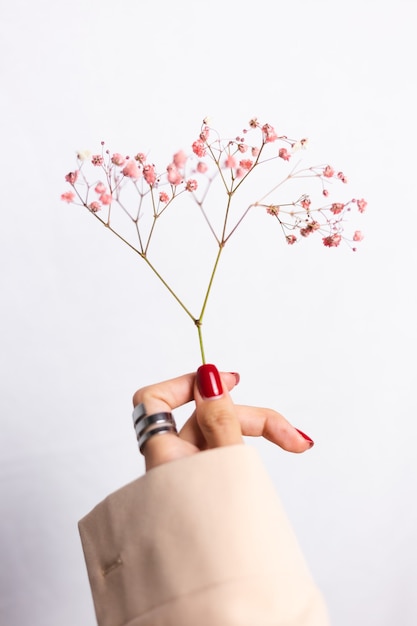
163 197
174 176
118 159
291 239
269 133
202 167
242 147
306 203
337 207
230 161
342 177
357 235
68 196
246 164
332 241
149 174
95 206
179 159
140 157
255 151
205 133
362 204
106 198
325 192
100 188
97 159
191 185
272 210
71 177
328 171
199 148
131 170
283 154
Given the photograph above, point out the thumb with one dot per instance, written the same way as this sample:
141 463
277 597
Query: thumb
216 413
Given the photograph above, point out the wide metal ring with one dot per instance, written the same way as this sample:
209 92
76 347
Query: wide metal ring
160 429
144 423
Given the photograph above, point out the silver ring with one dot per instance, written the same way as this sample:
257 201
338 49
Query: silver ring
161 429
146 426
138 412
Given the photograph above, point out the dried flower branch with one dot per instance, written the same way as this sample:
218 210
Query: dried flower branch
133 188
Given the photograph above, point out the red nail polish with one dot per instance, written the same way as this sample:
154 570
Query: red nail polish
208 381
306 437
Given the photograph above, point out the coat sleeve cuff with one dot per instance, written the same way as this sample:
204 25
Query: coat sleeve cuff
202 540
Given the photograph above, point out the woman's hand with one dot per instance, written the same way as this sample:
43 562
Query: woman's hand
215 422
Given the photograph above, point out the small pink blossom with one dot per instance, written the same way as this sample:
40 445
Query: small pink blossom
97 159
328 171
291 239
68 196
100 188
199 148
283 154
205 133
191 185
332 241
362 204
71 177
149 174
242 147
163 197
337 207
306 203
118 159
174 176
106 198
255 151
140 157
246 164
342 177
325 192
230 161
357 235
202 167
179 159
95 206
131 170
272 210
269 133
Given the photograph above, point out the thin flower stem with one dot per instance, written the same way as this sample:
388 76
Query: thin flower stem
171 291
216 262
200 341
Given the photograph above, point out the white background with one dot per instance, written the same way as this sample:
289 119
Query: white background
328 337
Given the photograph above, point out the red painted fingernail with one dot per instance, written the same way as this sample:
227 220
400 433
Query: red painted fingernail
237 376
208 381
306 437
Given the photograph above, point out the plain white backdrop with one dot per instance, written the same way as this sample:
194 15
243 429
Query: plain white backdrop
328 337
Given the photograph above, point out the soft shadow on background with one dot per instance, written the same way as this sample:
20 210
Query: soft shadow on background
328 337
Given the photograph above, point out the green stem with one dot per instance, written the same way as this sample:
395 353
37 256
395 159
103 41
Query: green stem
182 305
200 341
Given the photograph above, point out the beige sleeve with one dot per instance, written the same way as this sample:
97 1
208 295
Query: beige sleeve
202 541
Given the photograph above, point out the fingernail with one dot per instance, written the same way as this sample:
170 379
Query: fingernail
208 381
306 437
237 376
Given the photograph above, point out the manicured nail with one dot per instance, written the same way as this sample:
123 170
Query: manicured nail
208 381
306 437
237 376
